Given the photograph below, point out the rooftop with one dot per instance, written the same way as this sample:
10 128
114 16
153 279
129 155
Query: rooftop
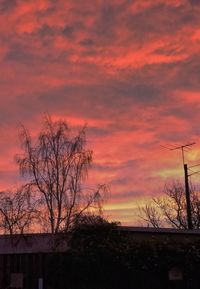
46 242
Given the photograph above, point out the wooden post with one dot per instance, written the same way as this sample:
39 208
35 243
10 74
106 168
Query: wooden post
187 195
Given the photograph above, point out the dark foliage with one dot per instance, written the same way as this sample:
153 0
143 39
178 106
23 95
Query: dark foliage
101 256
141 267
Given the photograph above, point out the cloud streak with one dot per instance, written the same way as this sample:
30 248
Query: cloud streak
129 69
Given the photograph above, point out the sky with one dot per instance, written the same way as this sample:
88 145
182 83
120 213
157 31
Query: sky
129 69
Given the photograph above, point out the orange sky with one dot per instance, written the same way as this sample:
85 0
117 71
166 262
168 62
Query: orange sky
129 69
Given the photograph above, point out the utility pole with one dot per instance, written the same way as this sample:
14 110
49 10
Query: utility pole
186 177
187 195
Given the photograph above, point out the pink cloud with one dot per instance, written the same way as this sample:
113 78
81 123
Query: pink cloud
128 70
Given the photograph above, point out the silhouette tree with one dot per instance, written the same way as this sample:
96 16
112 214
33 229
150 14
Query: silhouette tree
171 209
93 232
57 164
17 211
97 248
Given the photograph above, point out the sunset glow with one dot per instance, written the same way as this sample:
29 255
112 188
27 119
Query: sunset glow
129 70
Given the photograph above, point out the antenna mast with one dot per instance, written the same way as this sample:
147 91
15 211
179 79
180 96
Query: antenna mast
184 148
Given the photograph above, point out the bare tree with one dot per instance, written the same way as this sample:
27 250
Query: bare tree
17 211
171 209
151 215
57 164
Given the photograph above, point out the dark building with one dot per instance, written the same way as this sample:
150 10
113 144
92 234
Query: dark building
157 258
24 260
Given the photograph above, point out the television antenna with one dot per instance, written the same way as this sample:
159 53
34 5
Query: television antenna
185 148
